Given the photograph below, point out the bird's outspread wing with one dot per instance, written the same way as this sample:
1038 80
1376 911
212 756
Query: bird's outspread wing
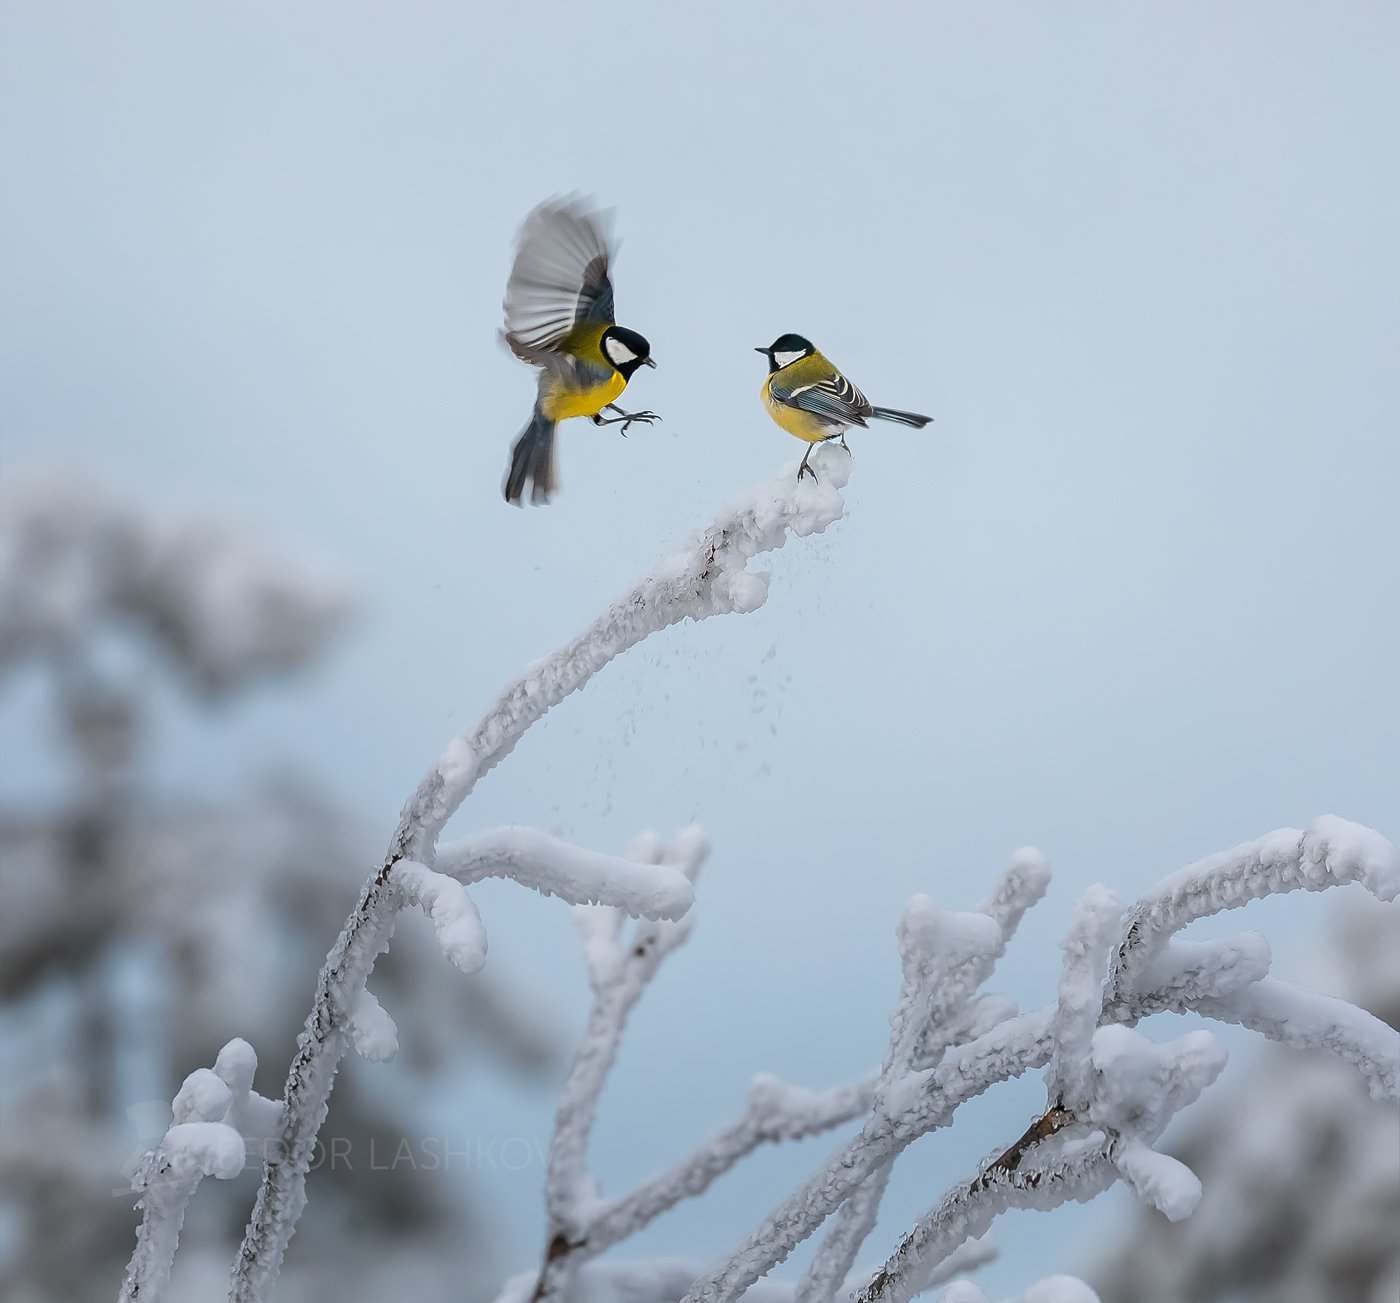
560 277
834 400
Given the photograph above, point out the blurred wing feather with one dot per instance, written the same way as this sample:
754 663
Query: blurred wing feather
560 277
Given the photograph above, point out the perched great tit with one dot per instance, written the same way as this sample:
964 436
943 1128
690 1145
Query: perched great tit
560 318
810 398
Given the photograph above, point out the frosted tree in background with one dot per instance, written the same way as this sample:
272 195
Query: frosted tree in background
134 923
1111 1089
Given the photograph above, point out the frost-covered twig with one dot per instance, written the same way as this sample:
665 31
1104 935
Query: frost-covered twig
905 1106
1333 852
709 576
1183 973
776 1112
1081 1171
1330 853
941 972
933 948
963 950
619 970
1293 1015
1085 949
1288 1142
967 1257
1130 1090
218 1120
1007 1180
665 1280
1227 980
578 876
533 859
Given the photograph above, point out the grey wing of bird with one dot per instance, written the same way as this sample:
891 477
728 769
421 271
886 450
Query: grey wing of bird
835 400
559 278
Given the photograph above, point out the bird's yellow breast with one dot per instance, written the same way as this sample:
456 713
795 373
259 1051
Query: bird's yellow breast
793 419
561 400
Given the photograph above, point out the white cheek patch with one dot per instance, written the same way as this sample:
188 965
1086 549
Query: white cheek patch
618 352
786 357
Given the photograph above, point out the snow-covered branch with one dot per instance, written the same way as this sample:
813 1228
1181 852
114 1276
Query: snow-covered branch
219 1121
1085 950
1332 853
620 970
944 962
1109 1090
1079 1171
665 1280
1293 1015
708 576
578 876
946 956
1287 1141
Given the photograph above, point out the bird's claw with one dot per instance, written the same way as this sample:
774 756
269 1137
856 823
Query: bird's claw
645 417
624 419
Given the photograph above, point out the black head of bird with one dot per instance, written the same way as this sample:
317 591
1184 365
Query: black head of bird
785 350
626 350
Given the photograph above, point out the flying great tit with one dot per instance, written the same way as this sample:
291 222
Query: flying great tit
559 317
810 398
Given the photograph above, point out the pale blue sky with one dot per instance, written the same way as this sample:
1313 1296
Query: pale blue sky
1131 598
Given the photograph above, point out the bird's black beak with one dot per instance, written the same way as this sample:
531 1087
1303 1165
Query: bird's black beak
651 362
764 351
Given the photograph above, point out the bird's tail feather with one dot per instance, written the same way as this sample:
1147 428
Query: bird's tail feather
904 418
532 462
